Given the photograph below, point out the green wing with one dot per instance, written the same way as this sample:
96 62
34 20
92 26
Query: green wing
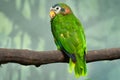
69 34
69 37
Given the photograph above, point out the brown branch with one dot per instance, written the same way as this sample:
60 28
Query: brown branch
29 57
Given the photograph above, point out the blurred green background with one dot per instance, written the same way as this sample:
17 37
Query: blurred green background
25 24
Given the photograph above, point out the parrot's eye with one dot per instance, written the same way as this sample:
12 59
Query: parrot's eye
57 9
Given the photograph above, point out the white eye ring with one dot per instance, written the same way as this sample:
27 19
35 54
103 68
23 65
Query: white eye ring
57 9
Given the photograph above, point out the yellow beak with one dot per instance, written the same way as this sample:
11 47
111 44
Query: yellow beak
52 14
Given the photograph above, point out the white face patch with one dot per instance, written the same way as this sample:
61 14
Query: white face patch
56 9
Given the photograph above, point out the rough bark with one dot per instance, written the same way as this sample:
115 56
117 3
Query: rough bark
37 58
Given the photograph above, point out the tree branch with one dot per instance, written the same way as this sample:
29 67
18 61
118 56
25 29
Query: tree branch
37 58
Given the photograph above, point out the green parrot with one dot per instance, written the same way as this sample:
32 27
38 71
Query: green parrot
69 37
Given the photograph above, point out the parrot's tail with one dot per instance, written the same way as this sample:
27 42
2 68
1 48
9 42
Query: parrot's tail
79 67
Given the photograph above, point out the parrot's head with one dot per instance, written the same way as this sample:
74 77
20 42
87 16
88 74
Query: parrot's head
60 8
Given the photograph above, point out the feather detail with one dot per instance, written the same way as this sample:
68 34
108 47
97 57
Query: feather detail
71 65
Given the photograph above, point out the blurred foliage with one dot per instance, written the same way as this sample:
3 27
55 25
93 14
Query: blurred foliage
25 24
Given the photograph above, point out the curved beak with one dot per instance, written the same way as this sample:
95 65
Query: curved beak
52 14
